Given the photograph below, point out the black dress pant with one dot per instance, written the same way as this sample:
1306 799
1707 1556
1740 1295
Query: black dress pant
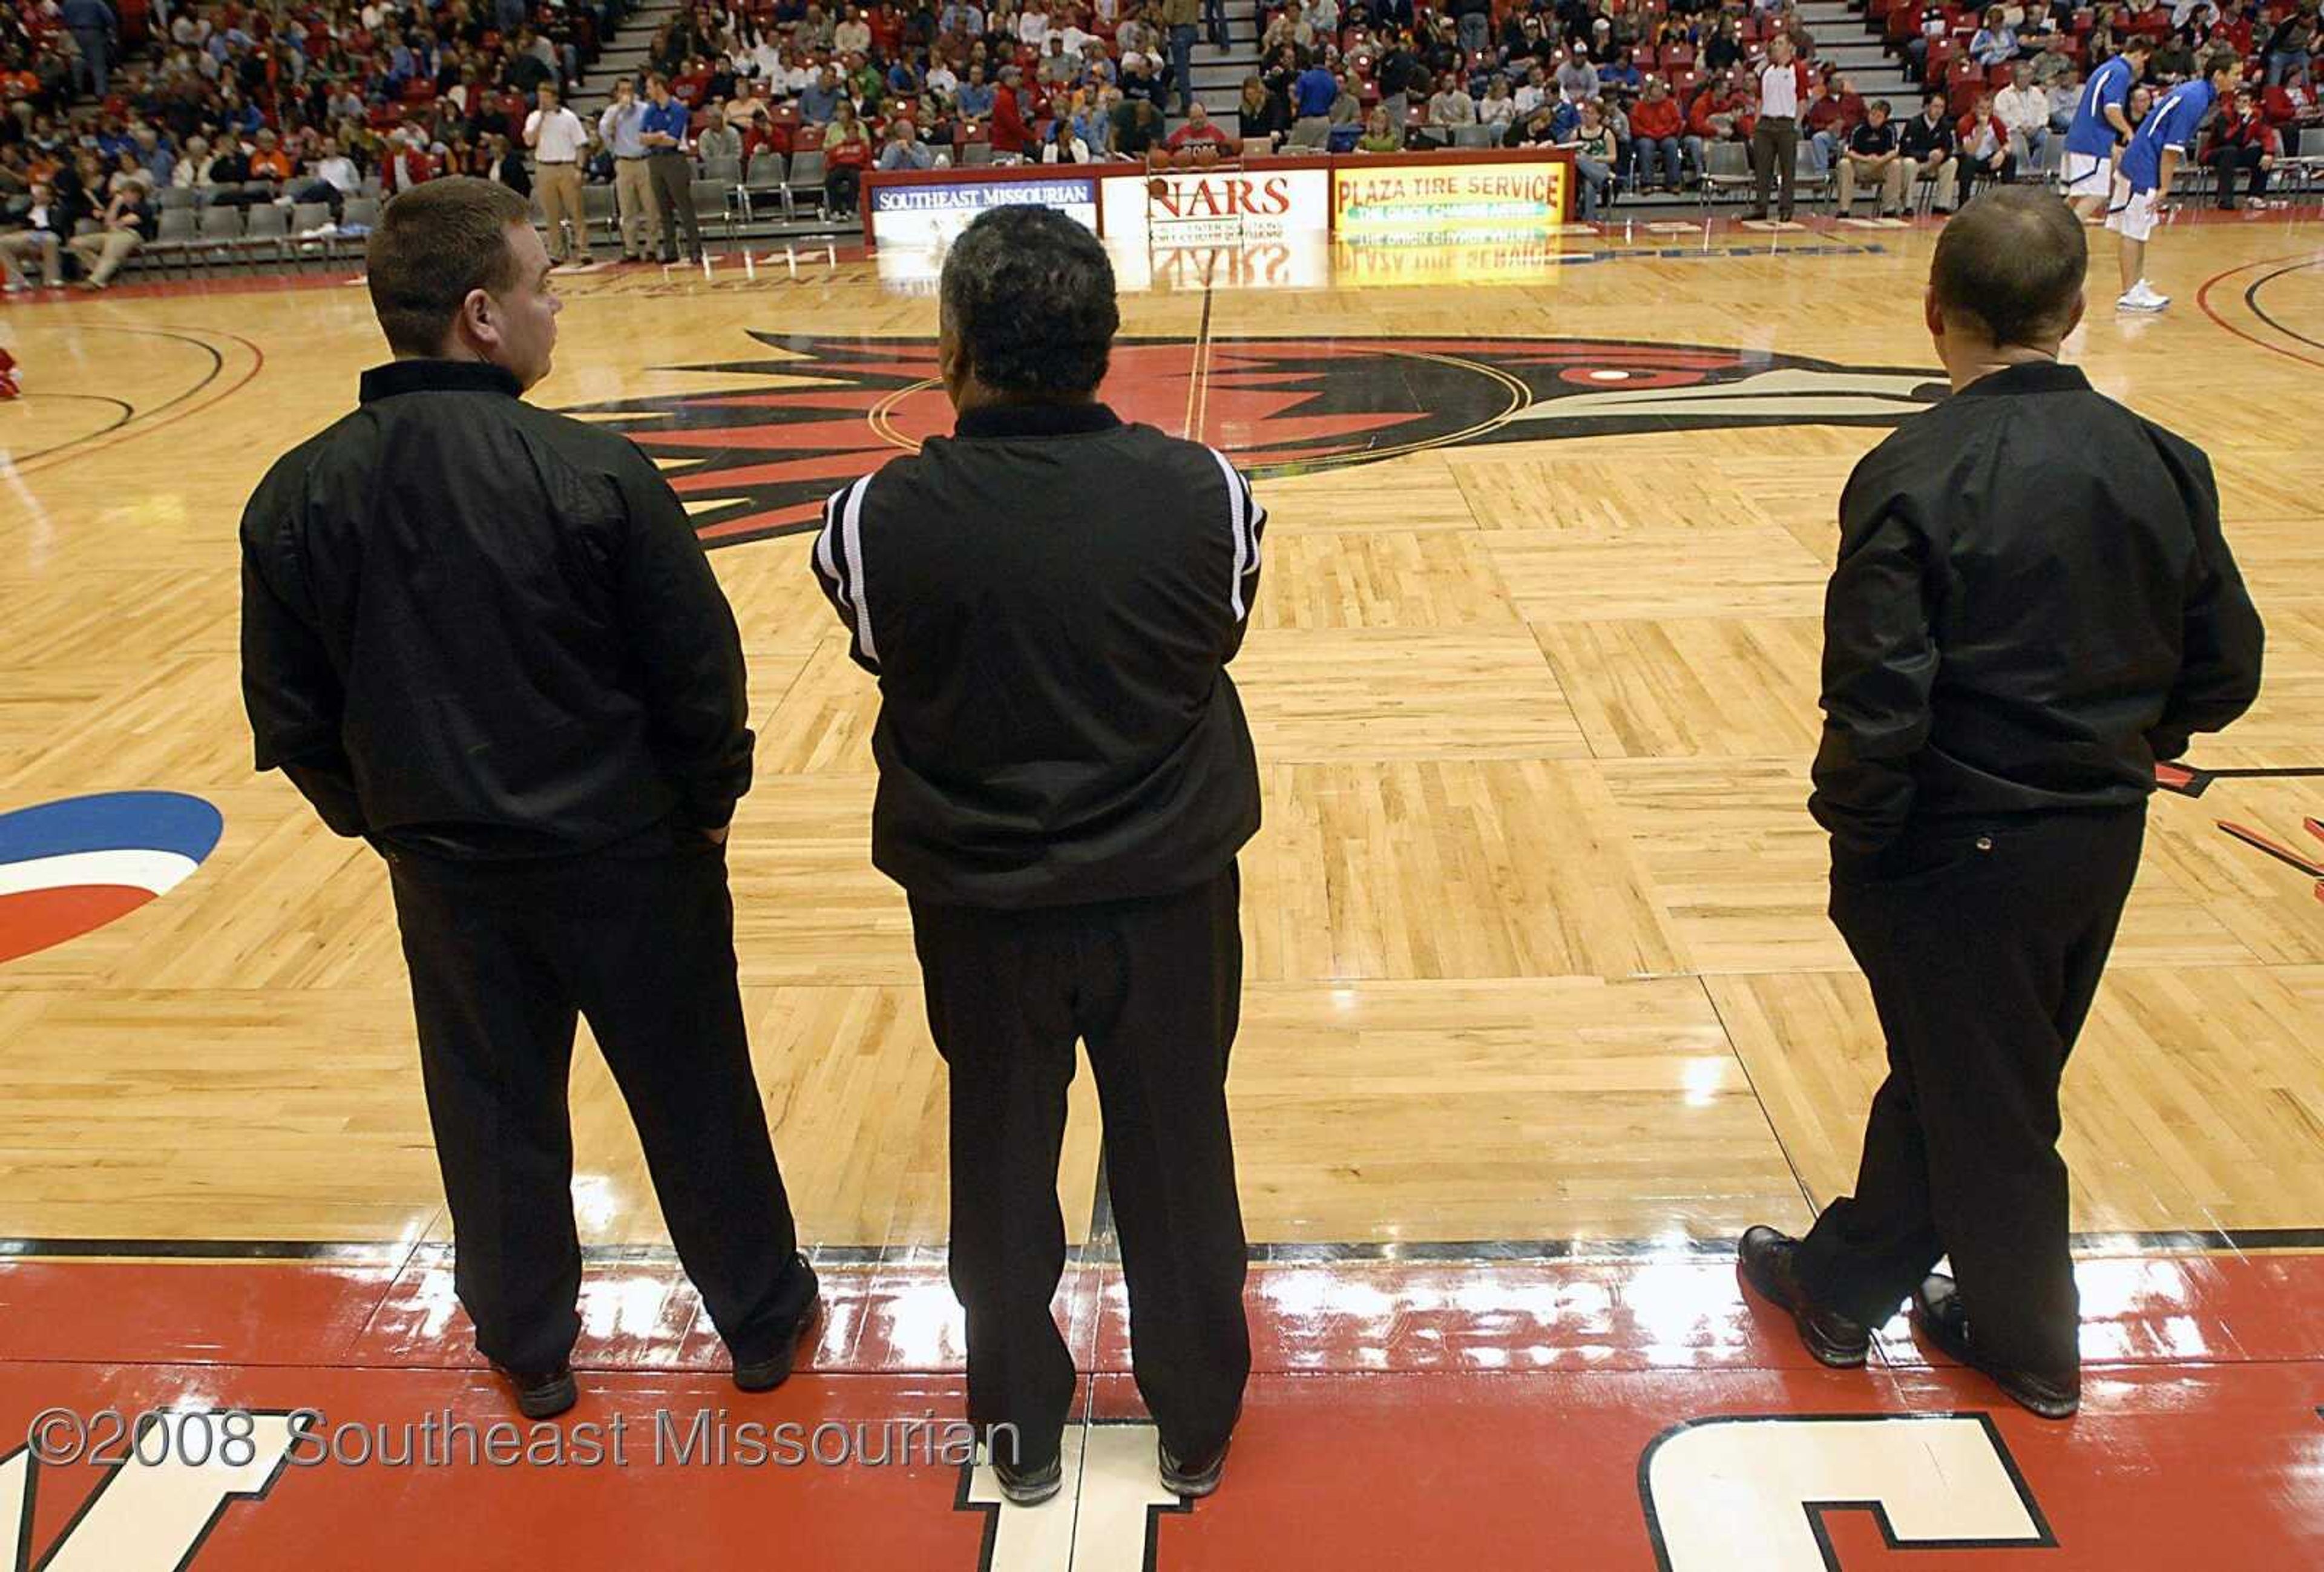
503 956
2227 158
2000 170
1154 987
1984 945
1775 161
671 175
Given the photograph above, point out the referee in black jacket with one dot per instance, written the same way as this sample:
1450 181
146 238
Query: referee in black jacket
2033 604
484 637
1050 600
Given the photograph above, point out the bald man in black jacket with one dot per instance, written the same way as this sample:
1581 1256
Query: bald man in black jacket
2033 604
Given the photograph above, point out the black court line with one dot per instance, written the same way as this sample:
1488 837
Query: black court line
2251 301
128 411
1105 1247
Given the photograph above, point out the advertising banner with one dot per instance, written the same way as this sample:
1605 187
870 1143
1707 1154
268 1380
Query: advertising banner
1420 203
931 213
1208 206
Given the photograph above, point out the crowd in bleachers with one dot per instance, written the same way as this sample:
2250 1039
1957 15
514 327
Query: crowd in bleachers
284 110
116 120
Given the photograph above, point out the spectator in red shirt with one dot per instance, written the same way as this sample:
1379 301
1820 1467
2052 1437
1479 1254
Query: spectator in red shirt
847 154
406 162
2291 108
1198 128
2242 139
760 135
1010 135
270 162
1719 113
1656 127
1984 144
887 25
1836 110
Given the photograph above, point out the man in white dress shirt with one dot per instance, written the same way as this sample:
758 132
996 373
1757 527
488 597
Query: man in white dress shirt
559 143
1775 137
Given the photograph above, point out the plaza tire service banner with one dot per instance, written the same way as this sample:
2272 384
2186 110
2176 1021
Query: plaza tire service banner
1414 202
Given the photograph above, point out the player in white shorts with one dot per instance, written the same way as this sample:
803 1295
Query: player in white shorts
2149 164
2085 175
2101 125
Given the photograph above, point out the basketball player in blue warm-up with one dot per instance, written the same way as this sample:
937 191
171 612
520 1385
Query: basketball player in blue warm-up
2141 192
2101 127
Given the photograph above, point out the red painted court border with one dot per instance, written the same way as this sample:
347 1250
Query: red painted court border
2203 300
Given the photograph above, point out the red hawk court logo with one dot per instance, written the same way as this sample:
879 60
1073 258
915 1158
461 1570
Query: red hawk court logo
752 463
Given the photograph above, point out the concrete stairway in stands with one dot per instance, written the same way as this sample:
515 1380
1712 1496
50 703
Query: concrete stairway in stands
1843 36
1219 73
625 56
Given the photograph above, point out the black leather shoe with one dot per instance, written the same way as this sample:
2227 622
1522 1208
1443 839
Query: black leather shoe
543 1397
1769 1263
1195 1477
1030 1486
1944 1321
770 1372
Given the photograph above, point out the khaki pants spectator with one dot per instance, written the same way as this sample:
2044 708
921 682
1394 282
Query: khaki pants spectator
1941 171
14 249
641 218
1891 178
1311 131
560 185
104 253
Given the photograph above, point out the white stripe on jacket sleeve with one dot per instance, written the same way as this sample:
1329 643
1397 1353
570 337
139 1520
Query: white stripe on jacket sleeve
851 549
838 559
1244 519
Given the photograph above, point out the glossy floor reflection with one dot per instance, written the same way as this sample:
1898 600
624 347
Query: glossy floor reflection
1600 1414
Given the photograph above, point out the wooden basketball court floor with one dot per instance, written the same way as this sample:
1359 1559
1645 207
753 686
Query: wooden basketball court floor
1538 969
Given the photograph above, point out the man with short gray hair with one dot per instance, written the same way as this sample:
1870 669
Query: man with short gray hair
1049 598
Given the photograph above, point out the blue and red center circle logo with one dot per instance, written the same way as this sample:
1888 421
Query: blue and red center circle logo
72 866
